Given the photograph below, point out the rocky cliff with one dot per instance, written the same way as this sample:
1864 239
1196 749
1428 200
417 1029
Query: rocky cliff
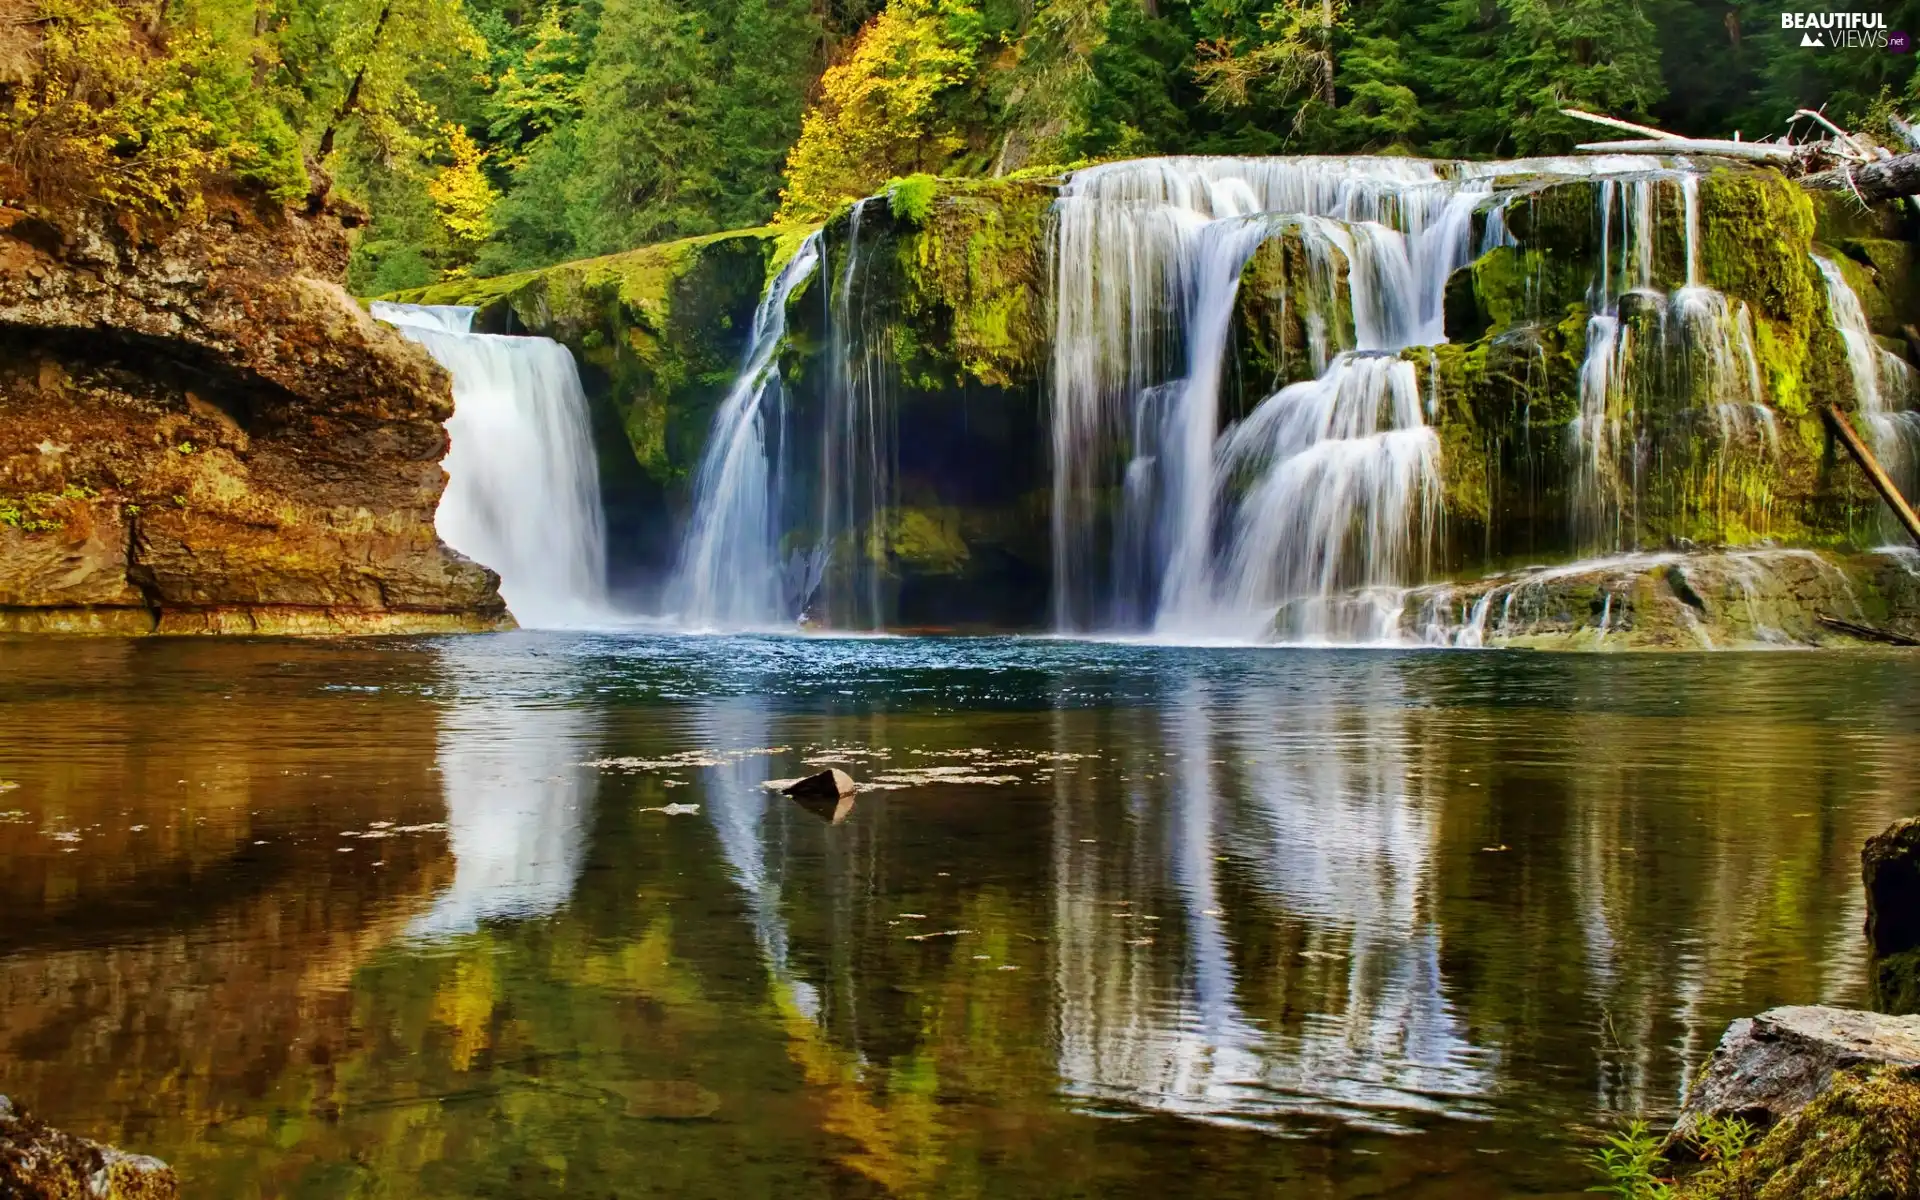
201 432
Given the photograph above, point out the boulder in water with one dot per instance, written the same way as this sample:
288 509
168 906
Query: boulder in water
830 784
38 1163
1890 868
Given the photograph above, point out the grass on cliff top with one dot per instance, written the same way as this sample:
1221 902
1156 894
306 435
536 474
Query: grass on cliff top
642 275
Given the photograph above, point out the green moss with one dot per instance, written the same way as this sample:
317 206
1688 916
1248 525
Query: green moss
1467 494
911 199
973 274
1286 300
1894 979
927 541
1756 231
1858 1140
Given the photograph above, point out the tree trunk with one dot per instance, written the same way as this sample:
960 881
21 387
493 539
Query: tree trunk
1326 66
352 99
1874 182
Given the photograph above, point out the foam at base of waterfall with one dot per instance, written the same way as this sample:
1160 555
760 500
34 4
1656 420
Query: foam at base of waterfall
523 486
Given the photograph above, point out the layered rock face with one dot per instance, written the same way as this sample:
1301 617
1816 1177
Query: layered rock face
201 432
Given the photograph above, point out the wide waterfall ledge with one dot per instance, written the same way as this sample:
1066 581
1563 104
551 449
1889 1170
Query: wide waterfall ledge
1352 401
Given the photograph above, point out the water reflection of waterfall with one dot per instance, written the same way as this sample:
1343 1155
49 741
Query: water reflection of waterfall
738 808
523 486
519 804
1327 822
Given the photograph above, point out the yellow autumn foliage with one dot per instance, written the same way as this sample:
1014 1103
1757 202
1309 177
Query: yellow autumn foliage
99 102
462 195
880 113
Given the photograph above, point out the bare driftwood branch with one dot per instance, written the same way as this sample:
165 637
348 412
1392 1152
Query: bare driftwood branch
1617 123
1758 151
1847 145
1874 182
1876 474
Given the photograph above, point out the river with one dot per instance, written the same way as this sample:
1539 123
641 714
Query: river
517 916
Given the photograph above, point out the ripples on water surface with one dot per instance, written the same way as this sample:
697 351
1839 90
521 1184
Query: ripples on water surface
405 919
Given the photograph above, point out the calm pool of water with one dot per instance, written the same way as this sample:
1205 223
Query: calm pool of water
516 917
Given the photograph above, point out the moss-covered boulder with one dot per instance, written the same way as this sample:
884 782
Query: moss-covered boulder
1859 1139
1595 399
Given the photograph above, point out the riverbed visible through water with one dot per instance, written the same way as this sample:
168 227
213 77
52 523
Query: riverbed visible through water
516 916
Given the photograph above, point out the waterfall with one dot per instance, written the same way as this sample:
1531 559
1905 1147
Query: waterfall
857 448
730 574
1327 484
1884 386
1660 367
523 487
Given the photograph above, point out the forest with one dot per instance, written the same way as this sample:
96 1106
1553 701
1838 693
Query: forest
485 136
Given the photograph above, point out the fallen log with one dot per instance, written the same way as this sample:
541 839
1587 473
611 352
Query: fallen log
1617 123
1758 151
1876 474
1866 633
1875 182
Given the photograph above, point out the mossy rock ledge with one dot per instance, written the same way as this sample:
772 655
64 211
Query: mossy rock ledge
1833 1095
39 1163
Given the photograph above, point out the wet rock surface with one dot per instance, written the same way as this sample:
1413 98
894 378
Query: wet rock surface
1769 1067
1890 868
1674 601
39 1163
201 432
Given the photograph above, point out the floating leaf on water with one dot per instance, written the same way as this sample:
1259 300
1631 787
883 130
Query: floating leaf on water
675 810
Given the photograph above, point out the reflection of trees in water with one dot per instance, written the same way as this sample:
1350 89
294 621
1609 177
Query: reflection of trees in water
1310 812
1705 861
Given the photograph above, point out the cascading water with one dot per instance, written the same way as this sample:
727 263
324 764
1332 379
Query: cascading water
857 449
1328 485
1884 386
523 489
730 574
1660 367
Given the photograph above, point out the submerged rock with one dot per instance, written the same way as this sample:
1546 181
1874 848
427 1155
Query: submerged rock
1890 868
1769 1067
200 432
38 1163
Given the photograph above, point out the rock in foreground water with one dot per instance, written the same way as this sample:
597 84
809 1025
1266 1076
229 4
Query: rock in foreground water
38 1163
1890 868
1769 1067
827 785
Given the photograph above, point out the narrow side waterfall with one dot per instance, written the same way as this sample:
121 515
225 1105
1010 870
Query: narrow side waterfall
858 447
1883 384
730 574
1660 367
523 488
